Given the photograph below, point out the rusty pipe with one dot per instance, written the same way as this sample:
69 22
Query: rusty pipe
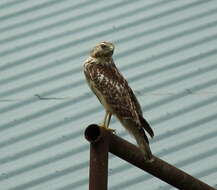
133 155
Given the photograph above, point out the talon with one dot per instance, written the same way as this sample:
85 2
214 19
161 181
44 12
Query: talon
109 129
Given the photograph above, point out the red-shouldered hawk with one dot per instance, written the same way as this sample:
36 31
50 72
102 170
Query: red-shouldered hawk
115 95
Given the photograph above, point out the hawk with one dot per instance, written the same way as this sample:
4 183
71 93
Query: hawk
115 95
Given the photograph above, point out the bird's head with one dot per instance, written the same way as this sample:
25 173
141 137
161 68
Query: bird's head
103 49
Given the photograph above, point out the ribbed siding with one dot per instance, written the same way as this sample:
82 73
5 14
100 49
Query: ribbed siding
166 49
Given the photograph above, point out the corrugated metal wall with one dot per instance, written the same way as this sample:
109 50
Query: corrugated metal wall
166 49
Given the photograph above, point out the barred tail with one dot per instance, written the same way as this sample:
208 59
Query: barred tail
146 126
140 136
143 143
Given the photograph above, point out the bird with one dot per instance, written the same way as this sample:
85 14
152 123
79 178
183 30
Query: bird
116 96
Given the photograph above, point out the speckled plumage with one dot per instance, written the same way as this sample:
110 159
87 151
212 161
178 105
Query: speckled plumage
114 93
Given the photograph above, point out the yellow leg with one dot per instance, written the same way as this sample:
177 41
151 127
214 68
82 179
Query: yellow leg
106 121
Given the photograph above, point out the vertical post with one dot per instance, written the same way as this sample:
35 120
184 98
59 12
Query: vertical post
98 166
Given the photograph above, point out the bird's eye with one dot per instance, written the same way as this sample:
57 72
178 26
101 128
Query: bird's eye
103 45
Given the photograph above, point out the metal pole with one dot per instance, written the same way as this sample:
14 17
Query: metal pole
158 167
99 147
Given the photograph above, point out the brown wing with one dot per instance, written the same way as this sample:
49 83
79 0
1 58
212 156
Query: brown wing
144 123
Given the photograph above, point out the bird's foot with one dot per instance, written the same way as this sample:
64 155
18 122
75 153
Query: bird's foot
149 160
109 129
